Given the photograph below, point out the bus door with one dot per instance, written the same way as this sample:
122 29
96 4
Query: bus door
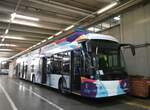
43 63
22 76
77 67
18 70
25 71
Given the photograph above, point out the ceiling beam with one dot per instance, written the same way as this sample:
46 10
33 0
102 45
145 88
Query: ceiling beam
61 6
119 9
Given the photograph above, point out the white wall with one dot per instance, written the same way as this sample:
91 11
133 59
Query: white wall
135 29
115 32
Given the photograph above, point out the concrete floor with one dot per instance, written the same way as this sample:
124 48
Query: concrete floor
17 94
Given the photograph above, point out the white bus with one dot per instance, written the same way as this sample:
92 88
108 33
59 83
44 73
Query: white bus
83 63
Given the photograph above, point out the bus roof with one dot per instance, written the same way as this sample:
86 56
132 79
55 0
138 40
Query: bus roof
78 36
101 37
72 42
69 43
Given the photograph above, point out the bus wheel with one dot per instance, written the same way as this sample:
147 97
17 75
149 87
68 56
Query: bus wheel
62 86
33 79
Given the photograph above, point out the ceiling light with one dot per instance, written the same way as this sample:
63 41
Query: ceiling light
34 46
8 45
4 62
105 25
14 15
50 37
6 50
6 31
27 23
2 59
94 29
68 28
43 41
38 43
107 7
117 18
58 33
13 37
3 39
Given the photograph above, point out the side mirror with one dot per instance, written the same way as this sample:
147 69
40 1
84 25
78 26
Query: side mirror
132 47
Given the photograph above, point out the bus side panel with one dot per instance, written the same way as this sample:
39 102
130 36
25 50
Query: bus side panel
54 80
67 79
38 76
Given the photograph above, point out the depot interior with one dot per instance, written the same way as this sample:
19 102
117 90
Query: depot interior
26 25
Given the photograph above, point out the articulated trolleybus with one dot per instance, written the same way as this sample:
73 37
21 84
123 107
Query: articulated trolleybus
83 63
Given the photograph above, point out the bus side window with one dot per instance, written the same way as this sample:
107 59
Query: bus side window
32 68
49 66
66 60
56 64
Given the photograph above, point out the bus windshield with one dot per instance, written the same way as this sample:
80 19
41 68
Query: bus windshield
104 54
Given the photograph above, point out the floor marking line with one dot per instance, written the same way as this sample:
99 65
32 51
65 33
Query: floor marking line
9 99
137 105
46 100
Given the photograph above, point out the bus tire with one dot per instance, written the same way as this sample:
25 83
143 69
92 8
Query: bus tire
62 86
33 78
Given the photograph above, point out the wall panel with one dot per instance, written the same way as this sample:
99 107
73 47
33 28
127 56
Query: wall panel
135 27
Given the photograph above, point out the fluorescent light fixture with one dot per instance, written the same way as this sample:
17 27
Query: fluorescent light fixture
107 7
43 41
117 18
34 46
6 31
93 29
38 43
14 15
4 62
13 37
50 37
68 28
8 45
9 50
2 59
105 25
3 39
58 33
27 23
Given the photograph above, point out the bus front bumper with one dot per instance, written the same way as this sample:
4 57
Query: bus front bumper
99 89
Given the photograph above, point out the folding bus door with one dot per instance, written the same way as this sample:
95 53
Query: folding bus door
77 67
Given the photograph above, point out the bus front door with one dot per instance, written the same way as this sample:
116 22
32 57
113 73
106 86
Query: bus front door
77 70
